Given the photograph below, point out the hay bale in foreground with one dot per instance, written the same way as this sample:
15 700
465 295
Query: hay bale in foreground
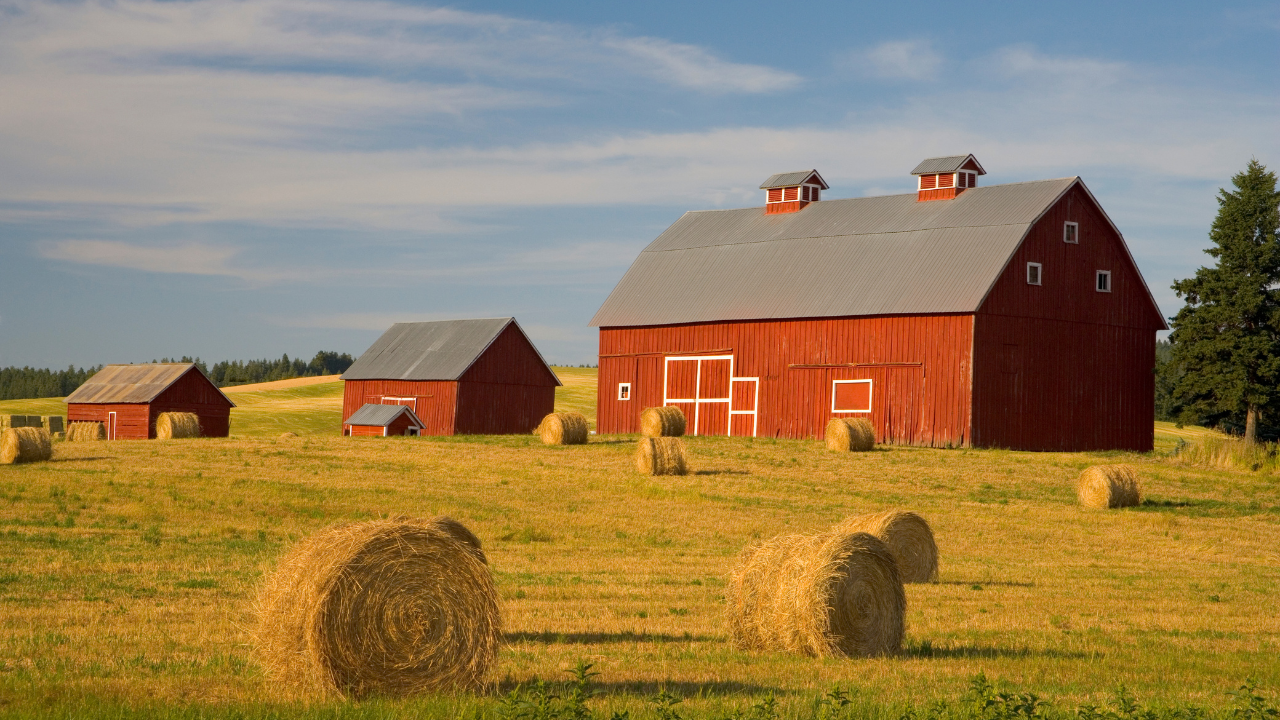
85 431
566 428
909 538
171 425
834 594
386 607
661 456
1108 486
850 435
662 422
24 445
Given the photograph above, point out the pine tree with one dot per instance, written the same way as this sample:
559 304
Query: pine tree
1227 336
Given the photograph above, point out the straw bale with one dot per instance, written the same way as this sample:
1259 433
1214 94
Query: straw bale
662 422
909 538
850 435
24 444
385 607
829 595
661 456
566 428
83 431
1109 486
170 425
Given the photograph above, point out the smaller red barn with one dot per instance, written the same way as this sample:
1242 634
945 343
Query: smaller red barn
127 399
384 420
460 377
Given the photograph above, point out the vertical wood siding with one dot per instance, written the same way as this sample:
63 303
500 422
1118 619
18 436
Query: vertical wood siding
192 393
500 409
436 400
510 360
133 421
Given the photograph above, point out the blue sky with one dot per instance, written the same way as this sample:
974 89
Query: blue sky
244 179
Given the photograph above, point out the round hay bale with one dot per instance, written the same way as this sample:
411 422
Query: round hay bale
828 595
25 444
850 435
909 538
287 435
387 607
171 425
1109 486
661 456
86 431
567 428
662 422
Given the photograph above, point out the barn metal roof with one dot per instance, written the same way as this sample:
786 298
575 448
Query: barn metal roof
381 415
862 256
948 164
132 383
788 179
441 350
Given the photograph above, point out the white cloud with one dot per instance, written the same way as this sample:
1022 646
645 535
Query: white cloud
693 67
186 258
899 60
365 320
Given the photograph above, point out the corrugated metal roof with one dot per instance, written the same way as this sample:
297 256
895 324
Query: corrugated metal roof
788 179
948 164
441 350
380 415
131 383
863 256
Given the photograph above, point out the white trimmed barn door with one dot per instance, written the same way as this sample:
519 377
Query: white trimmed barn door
713 400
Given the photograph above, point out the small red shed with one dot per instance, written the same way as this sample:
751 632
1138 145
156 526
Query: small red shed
382 420
460 377
1000 316
127 399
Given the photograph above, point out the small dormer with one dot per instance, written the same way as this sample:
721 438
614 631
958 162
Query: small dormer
943 178
790 192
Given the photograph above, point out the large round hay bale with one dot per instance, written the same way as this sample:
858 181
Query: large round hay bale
850 435
1108 486
171 425
662 422
566 428
909 538
661 456
85 431
25 444
834 594
385 607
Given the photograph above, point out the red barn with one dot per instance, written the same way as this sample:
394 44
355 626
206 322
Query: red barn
459 376
1002 316
127 399
383 420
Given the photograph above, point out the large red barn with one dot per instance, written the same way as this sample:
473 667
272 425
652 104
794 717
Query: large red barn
460 377
127 399
1001 316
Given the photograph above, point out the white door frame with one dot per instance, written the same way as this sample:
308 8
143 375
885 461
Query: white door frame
697 391
112 420
755 403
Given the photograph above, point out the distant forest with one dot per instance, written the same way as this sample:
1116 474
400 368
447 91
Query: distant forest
22 383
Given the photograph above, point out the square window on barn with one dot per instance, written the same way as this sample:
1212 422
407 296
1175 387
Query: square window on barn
624 391
1103 282
1071 233
851 396
1033 273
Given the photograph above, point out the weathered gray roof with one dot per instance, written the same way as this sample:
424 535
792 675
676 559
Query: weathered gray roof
862 256
441 350
788 179
132 383
381 415
948 164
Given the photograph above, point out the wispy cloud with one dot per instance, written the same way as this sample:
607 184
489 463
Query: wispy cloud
184 258
365 320
693 67
898 60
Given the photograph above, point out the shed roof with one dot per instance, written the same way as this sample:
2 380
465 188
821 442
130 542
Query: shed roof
862 256
133 383
381 415
948 164
441 350
788 179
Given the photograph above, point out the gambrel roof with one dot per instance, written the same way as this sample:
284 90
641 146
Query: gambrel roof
441 350
134 383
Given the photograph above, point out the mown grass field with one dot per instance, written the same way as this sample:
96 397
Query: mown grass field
128 569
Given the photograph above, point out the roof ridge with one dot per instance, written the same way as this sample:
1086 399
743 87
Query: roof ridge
859 234
912 193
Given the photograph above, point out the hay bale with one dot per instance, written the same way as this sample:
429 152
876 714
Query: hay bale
662 422
661 456
1108 486
386 607
834 594
171 425
908 537
287 435
24 444
567 428
850 435
85 431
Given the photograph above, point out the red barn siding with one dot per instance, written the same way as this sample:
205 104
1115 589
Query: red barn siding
434 401
132 419
510 360
497 409
192 393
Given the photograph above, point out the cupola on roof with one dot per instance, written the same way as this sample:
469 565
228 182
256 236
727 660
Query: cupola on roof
791 179
791 191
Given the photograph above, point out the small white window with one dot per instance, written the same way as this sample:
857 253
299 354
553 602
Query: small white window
1071 233
1103 283
624 391
1033 273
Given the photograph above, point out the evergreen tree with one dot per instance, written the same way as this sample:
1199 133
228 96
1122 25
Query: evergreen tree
1226 339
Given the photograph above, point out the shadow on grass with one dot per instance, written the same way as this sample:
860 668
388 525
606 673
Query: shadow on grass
925 649
984 583
682 689
722 472
1152 504
81 459
600 638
